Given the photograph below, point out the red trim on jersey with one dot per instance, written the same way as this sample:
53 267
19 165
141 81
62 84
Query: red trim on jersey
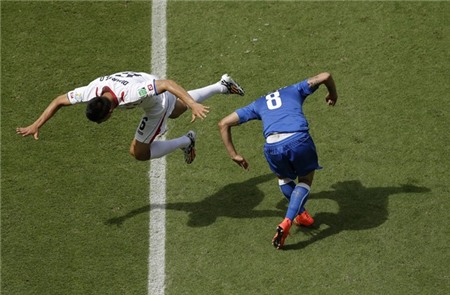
159 127
107 89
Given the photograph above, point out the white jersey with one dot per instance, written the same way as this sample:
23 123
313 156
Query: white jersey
129 89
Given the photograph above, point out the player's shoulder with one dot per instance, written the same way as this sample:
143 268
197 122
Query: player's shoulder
302 87
148 76
132 75
300 84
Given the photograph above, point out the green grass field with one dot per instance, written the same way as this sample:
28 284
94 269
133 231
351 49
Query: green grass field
75 205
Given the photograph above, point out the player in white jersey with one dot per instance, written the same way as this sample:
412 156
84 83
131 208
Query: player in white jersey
159 98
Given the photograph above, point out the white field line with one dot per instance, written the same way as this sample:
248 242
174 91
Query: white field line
157 174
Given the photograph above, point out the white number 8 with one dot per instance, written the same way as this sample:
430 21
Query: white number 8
273 100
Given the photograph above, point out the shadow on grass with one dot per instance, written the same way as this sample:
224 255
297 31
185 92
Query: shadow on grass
360 208
236 200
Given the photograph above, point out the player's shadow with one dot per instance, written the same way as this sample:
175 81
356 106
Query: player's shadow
237 200
360 208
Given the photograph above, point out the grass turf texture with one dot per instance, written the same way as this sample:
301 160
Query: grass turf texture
75 205
58 192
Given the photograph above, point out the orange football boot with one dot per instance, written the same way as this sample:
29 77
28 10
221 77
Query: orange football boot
304 219
282 233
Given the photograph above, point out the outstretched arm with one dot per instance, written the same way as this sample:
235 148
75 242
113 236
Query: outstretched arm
198 110
225 132
52 108
326 79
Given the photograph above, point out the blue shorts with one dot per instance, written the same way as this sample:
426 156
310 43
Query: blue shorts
292 157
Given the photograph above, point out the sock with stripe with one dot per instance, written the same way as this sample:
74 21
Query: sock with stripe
298 199
287 186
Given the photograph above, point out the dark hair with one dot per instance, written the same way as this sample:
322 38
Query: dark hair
98 108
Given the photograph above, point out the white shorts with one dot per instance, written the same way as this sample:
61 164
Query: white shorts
154 121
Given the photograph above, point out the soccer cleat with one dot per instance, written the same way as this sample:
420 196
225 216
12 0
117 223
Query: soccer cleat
282 233
304 219
232 86
189 151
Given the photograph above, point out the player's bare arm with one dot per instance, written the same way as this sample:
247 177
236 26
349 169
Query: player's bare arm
198 110
326 79
51 109
225 132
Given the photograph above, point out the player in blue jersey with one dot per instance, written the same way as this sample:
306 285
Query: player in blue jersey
289 148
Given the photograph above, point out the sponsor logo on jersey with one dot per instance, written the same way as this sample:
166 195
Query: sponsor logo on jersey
75 96
142 92
150 87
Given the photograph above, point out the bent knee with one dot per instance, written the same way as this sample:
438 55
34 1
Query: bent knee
308 179
139 153
140 157
179 109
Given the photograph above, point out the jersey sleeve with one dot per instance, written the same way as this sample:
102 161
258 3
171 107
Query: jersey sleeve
78 95
247 113
304 89
147 89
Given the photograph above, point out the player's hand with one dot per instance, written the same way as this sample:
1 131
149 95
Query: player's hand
238 159
331 99
29 130
198 111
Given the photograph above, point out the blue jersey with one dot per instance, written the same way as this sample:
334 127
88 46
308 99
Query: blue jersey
280 111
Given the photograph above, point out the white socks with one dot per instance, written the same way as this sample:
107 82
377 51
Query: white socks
162 148
201 94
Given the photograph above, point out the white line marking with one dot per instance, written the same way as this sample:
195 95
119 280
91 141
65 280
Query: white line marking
157 174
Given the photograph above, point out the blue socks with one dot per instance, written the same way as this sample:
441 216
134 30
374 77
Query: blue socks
287 186
297 196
